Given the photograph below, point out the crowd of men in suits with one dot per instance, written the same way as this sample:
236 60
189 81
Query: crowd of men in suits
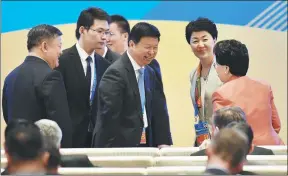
104 91
98 97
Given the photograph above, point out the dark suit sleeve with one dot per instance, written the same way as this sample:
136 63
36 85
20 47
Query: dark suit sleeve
54 95
110 100
156 67
160 116
199 153
261 151
4 104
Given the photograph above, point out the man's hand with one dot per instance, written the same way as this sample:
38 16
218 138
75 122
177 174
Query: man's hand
163 145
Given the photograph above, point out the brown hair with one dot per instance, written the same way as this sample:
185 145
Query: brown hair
230 145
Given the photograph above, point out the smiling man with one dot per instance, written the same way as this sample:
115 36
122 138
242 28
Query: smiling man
126 117
34 90
117 41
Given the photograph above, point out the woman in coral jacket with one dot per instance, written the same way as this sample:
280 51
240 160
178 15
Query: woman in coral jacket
254 97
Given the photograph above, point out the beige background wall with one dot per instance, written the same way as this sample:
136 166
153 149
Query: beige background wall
268 61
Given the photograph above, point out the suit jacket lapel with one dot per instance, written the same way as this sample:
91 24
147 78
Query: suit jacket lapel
97 68
79 69
132 79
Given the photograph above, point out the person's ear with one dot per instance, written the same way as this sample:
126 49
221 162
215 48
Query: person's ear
44 46
227 69
45 158
6 154
251 149
131 44
81 30
126 36
216 130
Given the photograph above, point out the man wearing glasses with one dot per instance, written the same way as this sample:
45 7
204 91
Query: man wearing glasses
106 52
82 70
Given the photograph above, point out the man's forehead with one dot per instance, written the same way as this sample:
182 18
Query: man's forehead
100 24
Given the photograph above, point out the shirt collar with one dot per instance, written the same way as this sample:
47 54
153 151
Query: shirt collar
82 53
105 52
134 63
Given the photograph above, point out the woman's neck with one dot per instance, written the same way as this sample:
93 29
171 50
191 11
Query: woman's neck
232 78
206 63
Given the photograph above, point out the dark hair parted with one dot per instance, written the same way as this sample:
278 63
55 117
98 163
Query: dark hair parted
201 24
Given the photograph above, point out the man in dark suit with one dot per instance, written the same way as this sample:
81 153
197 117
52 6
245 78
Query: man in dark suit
34 90
228 115
127 95
82 70
117 41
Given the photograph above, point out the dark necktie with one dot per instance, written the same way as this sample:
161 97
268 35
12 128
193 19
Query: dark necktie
88 73
88 78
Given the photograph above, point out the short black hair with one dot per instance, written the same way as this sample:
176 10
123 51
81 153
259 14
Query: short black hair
201 24
121 22
222 117
233 54
24 142
38 33
143 29
245 128
87 17
14 123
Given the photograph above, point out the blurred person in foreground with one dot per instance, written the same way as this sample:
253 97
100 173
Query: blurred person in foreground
24 149
223 117
53 135
227 152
